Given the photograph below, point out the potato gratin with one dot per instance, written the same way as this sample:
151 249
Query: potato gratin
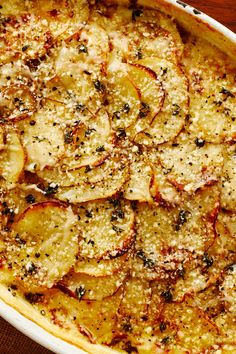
118 178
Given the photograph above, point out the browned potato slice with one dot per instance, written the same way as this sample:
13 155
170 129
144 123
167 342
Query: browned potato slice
170 120
228 181
124 100
94 319
43 244
32 41
100 268
88 287
99 189
152 96
228 289
61 23
189 166
16 102
212 93
107 228
12 158
90 143
141 176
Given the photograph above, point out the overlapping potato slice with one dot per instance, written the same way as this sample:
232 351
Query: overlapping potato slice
16 102
140 181
88 287
187 323
43 244
64 21
42 138
108 228
27 36
132 42
102 267
94 319
109 180
85 174
152 96
228 181
188 166
212 92
124 100
167 237
90 143
13 157
84 55
170 120
132 313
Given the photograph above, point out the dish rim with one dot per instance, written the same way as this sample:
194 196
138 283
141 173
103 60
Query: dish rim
30 328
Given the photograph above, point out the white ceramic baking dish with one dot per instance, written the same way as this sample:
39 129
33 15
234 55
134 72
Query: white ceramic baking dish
197 23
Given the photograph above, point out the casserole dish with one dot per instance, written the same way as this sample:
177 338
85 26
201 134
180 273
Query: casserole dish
194 22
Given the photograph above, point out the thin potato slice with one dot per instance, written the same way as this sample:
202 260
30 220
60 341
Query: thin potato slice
170 120
189 167
101 189
152 96
212 93
42 139
124 100
12 158
94 319
139 185
43 245
132 313
190 325
93 288
34 36
228 181
64 22
83 175
167 237
107 228
91 142
100 268
16 102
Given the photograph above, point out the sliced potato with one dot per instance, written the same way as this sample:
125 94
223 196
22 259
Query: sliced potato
228 181
61 23
212 93
99 189
32 41
100 268
170 120
16 102
131 311
139 185
12 158
189 167
87 287
91 142
166 237
43 244
124 100
43 139
190 326
152 96
107 228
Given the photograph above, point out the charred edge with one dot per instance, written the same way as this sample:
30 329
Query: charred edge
60 286
181 3
196 12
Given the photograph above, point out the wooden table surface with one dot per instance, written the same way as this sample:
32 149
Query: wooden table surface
11 341
223 11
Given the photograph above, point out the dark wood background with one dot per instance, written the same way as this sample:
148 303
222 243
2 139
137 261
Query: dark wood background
11 341
223 11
